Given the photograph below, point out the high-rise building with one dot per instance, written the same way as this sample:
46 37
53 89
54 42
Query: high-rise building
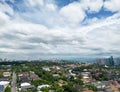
117 61
111 61
106 61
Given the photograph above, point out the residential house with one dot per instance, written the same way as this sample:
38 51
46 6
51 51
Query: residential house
25 86
34 77
6 74
46 68
42 86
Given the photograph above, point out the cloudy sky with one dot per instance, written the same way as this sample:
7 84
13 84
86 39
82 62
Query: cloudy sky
59 28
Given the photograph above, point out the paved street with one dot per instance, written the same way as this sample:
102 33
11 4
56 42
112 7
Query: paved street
13 83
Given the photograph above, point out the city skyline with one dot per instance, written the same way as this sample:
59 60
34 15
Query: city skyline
59 28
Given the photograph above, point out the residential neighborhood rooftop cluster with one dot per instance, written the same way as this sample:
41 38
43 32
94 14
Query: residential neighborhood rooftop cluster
46 76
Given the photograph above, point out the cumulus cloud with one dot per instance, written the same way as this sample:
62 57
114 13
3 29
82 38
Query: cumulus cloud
34 3
73 13
3 19
51 29
112 5
92 5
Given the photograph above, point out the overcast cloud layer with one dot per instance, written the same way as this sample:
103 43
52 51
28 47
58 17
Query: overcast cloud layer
33 28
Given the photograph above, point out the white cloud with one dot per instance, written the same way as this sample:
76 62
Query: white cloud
34 3
73 13
3 19
55 34
112 5
92 5
51 7
6 8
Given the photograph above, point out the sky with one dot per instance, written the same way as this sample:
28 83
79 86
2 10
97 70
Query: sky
59 28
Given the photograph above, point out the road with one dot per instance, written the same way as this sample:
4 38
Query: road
13 83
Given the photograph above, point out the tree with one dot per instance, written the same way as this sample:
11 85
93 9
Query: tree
68 88
8 89
1 74
90 87
80 82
